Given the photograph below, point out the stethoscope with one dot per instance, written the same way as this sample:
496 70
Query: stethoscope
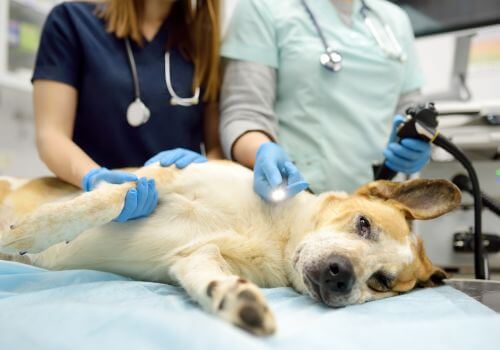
332 59
137 112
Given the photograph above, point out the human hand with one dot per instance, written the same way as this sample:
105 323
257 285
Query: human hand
273 170
180 157
409 155
140 201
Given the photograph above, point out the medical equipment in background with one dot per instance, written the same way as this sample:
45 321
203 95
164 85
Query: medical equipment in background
332 59
458 89
464 241
422 124
465 185
472 126
434 21
137 112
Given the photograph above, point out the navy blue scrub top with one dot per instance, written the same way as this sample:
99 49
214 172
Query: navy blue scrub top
76 49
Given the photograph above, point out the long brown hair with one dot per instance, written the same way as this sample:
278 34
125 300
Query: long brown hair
194 31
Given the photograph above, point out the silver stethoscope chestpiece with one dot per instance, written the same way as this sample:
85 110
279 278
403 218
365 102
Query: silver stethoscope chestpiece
137 113
331 60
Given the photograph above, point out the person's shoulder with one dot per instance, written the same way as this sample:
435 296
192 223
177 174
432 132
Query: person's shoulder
73 9
391 12
388 8
270 8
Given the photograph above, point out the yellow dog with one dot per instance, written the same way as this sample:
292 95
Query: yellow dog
213 236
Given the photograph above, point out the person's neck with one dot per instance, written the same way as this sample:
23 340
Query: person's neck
155 12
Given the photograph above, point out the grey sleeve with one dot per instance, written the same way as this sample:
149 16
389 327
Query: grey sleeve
247 102
407 100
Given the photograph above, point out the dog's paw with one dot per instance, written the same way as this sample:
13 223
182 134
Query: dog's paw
242 303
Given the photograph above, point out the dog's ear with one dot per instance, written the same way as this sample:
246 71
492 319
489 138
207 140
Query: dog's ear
421 272
428 275
419 199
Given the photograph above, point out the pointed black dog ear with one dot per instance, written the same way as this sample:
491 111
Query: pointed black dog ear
420 199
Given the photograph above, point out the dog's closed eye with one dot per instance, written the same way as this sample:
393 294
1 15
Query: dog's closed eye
380 281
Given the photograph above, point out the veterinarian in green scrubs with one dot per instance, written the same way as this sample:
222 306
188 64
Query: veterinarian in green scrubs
292 117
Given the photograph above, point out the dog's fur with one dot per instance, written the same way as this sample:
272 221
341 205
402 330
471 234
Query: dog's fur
213 236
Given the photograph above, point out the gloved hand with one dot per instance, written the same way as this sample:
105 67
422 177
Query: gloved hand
139 202
272 166
180 157
409 155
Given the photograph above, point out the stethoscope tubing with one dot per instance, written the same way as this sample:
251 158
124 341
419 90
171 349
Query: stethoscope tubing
175 99
133 69
371 27
316 25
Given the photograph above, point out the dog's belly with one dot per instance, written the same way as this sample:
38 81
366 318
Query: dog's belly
139 253
202 206
146 250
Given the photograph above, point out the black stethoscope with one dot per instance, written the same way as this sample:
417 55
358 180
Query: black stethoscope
137 112
332 59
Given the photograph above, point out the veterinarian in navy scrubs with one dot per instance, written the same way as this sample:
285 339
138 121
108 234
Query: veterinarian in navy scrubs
118 83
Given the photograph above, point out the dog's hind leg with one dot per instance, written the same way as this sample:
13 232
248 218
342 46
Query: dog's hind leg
206 277
57 222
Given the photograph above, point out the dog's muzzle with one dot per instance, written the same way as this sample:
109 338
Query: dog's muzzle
332 278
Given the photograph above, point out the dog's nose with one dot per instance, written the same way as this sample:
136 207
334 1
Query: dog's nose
338 276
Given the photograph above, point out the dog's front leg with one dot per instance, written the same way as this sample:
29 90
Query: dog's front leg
205 275
62 221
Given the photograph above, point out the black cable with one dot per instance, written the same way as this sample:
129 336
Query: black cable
463 182
480 261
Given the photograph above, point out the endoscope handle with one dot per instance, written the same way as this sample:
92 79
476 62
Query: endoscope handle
421 123
405 130
383 172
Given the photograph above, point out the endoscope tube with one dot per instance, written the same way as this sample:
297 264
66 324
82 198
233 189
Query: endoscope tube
463 183
480 261
491 204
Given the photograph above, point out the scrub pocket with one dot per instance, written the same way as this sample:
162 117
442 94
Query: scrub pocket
314 171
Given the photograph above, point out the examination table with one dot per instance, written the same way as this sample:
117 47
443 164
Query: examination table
83 309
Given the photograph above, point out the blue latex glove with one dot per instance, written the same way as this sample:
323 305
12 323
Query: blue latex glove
180 157
272 166
409 155
139 202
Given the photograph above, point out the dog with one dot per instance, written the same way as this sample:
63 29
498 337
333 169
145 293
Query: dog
214 237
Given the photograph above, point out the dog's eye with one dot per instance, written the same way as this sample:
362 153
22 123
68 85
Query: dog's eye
380 282
364 228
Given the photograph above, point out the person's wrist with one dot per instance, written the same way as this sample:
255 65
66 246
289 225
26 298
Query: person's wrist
263 146
87 179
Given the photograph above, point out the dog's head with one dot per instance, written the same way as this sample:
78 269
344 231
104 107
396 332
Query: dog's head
362 247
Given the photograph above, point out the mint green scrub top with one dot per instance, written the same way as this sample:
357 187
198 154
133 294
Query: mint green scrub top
333 125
